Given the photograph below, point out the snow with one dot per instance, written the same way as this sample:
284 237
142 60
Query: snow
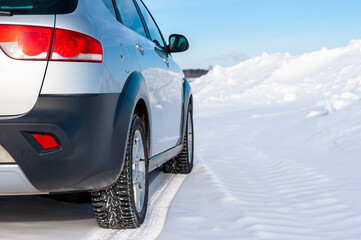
331 76
277 157
33 217
278 150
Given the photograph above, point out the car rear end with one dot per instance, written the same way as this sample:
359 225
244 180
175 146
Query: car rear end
58 98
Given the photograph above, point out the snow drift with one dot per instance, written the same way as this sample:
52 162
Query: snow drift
328 79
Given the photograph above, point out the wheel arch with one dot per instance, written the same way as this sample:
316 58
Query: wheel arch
141 110
134 99
187 100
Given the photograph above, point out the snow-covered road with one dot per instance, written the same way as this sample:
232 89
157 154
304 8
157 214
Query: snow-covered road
256 178
38 218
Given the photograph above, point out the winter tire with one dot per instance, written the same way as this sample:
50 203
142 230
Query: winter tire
124 204
183 163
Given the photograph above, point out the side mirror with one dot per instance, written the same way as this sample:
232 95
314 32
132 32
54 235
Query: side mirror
178 43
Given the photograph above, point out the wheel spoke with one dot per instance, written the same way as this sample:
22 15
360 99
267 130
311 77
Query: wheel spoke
141 166
134 153
134 177
141 180
141 198
137 198
139 150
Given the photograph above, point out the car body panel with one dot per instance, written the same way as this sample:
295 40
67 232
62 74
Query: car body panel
164 81
21 80
174 101
117 41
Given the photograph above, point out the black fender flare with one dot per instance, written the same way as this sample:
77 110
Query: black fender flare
134 90
187 98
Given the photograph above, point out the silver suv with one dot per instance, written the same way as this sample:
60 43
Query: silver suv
90 101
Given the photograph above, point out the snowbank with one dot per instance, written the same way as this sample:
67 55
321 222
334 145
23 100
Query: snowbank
329 79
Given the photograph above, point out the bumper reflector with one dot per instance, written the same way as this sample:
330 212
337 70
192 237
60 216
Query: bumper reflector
5 156
46 141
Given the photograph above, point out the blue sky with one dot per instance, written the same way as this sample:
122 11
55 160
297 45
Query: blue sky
226 32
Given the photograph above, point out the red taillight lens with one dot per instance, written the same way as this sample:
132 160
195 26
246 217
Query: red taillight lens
46 141
24 42
74 46
33 43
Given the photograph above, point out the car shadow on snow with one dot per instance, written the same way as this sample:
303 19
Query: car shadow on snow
38 209
18 209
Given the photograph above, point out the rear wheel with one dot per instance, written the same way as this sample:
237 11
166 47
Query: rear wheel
183 163
124 204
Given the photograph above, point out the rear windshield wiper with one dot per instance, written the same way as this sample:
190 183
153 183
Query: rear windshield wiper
4 13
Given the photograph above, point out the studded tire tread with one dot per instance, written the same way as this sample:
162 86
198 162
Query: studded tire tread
114 207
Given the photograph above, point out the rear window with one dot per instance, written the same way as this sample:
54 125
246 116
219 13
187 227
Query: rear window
38 6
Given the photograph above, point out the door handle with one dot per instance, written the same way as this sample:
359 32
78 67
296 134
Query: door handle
139 47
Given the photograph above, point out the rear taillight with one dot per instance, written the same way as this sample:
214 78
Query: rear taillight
23 42
34 43
74 46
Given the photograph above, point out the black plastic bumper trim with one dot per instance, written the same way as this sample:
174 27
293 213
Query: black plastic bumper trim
91 130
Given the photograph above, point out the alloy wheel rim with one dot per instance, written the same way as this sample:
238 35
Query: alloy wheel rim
138 171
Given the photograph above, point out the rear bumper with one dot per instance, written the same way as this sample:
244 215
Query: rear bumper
13 181
92 135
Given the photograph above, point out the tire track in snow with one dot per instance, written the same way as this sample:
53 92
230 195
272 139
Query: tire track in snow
256 195
285 200
162 190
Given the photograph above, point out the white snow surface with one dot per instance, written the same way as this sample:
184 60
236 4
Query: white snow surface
34 217
278 156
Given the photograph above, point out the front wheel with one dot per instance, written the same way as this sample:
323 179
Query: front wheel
183 163
124 204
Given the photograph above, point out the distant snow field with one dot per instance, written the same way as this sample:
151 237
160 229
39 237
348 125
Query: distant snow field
278 156
278 150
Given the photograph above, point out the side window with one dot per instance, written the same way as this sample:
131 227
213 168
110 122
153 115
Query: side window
129 16
110 6
154 32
